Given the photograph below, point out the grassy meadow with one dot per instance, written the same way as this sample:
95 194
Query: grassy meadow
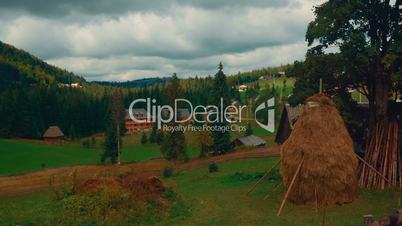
219 199
20 156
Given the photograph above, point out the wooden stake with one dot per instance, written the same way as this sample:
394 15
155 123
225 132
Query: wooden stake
316 199
289 188
275 188
320 85
372 168
262 178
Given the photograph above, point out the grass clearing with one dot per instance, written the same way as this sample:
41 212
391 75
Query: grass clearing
21 155
219 199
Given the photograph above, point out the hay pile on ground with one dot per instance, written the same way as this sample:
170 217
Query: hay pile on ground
329 170
143 188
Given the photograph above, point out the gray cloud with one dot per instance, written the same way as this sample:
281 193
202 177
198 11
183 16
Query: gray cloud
59 8
132 39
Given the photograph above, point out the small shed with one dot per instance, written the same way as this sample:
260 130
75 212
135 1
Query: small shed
53 135
249 141
288 118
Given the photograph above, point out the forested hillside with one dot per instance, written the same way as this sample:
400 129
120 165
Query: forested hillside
32 96
18 66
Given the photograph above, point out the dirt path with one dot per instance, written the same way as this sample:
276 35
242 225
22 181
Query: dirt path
40 180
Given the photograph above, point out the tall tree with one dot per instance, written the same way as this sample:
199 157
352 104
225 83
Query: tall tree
114 128
174 145
369 37
220 92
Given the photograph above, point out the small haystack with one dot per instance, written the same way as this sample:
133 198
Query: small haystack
322 149
53 134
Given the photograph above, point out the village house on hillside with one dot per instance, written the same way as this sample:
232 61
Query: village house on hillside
53 135
251 141
242 88
140 114
288 118
71 85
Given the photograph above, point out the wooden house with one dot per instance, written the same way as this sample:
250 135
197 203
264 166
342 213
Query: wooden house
288 118
134 126
252 141
53 135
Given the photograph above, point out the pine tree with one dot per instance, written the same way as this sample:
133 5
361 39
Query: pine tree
144 138
220 90
153 135
160 136
114 128
174 145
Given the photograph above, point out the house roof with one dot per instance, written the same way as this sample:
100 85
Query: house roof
183 112
53 132
137 112
252 140
293 113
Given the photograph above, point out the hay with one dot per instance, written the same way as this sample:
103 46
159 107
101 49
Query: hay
144 188
329 171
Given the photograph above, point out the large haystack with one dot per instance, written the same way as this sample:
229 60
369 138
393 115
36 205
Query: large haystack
329 170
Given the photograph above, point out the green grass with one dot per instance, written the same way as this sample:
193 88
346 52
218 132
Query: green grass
21 156
219 199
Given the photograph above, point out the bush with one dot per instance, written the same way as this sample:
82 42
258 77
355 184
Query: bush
213 167
168 172
86 143
144 138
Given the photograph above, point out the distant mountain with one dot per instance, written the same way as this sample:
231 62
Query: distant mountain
19 66
139 83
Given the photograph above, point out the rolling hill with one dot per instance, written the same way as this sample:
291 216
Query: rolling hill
21 67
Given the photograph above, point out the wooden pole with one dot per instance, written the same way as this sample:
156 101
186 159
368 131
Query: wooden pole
118 143
320 85
262 178
316 199
372 168
290 188
275 188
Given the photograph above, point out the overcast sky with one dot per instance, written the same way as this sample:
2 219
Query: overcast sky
130 39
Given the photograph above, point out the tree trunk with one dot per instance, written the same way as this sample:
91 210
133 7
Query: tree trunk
118 143
380 145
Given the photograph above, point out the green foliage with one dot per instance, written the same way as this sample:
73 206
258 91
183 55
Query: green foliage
168 172
144 138
19 66
160 136
114 129
213 167
368 35
249 130
153 135
110 146
100 208
174 144
220 91
86 143
173 147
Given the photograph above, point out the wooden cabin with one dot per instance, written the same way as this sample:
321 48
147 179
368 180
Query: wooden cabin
140 114
288 118
53 135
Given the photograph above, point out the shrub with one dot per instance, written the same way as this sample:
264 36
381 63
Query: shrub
86 143
168 172
213 167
